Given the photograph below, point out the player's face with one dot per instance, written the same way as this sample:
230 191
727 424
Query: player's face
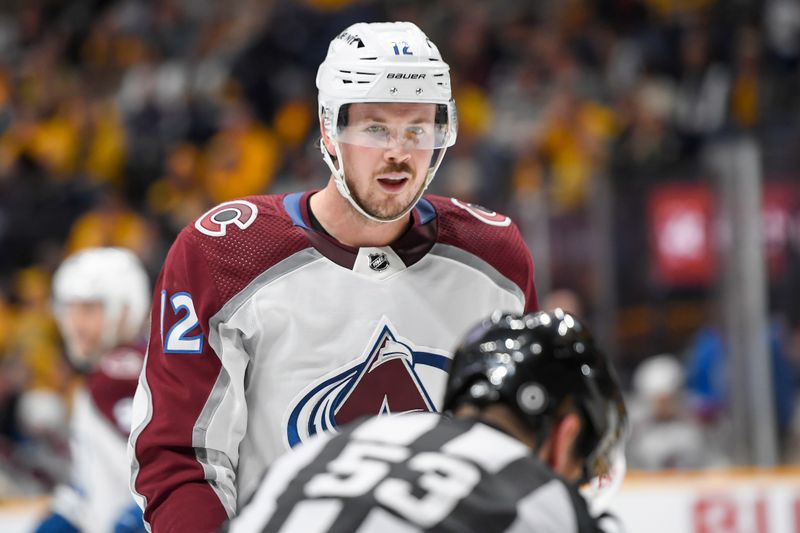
84 323
387 159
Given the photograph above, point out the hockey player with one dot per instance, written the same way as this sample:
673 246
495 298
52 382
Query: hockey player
278 317
101 299
537 411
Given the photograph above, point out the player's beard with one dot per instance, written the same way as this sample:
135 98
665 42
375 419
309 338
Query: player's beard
382 209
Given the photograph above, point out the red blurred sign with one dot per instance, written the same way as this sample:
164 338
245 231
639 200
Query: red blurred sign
780 208
681 218
684 248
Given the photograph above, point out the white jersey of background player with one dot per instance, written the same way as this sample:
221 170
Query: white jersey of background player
277 317
101 300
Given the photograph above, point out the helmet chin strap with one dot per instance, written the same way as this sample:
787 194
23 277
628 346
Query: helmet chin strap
344 190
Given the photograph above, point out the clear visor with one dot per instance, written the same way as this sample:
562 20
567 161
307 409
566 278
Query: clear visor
417 126
606 467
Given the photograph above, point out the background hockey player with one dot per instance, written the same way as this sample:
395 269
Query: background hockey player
101 299
278 317
538 411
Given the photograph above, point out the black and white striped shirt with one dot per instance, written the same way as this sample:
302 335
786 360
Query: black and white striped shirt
413 473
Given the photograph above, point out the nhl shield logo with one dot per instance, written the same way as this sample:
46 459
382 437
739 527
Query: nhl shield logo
392 377
378 262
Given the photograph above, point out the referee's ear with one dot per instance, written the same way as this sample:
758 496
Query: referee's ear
562 445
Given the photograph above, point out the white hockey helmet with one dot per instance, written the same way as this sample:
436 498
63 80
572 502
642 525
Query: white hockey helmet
658 376
385 62
113 276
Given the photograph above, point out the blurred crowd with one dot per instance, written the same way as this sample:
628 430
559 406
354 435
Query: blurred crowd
123 120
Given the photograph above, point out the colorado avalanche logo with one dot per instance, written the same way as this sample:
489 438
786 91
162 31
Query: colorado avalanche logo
484 215
385 381
215 222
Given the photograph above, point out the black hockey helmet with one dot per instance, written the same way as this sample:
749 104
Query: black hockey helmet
532 364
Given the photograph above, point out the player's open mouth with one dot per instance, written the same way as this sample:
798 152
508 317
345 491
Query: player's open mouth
393 183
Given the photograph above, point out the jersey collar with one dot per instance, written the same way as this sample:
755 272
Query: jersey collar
409 247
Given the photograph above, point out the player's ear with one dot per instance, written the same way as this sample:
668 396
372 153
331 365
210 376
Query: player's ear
326 139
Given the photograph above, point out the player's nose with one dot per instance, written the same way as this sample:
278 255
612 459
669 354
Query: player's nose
397 153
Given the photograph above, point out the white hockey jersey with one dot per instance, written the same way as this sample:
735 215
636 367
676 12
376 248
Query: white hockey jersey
265 331
99 427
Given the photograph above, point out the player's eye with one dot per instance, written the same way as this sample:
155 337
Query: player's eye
377 130
420 135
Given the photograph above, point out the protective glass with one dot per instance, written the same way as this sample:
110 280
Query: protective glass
375 127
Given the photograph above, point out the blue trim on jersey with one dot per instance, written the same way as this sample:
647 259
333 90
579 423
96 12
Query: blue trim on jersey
56 523
431 359
293 435
130 520
291 202
426 211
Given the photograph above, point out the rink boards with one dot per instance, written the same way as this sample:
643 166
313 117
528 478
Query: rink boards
729 501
